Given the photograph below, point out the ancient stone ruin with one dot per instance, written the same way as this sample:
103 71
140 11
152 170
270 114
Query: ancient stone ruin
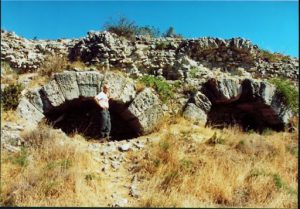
67 102
227 74
254 104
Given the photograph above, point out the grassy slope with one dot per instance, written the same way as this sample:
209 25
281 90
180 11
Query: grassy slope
186 167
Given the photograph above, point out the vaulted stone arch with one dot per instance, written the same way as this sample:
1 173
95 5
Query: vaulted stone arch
253 104
69 94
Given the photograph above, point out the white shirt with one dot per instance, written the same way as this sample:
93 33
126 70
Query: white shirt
103 100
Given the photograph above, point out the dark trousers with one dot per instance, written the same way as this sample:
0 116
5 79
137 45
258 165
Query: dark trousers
105 123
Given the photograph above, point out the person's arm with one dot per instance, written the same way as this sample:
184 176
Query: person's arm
96 100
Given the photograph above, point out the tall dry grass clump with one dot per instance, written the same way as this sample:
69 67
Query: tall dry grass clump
193 166
52 171
53 64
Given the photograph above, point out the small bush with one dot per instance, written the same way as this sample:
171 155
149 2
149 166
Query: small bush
164 89
10 96
193 72
288 92
123 27
128 29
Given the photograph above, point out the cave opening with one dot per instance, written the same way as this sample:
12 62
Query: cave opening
83 116
249 116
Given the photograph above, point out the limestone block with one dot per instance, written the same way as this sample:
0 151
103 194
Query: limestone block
222 90
67 82
27 111
35 99
143 101
52 92
89 83
116 84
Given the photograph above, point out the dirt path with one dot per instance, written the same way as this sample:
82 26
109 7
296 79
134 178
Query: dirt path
113 163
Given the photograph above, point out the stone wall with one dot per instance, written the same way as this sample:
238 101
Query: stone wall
158 56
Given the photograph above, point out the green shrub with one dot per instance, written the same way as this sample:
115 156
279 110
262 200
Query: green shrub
123 27
193 72
10 96
21 158
288 92
128 29
164 89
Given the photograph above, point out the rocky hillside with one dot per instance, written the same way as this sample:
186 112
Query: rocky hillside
173 58
195 123
214 81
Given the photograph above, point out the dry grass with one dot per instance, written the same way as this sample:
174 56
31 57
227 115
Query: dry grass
139 86
53 64
10 78
189 166
37 81
9 115
54 171
193 166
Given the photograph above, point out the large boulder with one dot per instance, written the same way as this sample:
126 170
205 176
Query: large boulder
194 113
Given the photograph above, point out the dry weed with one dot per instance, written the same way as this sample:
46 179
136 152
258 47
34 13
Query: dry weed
54 172
237 170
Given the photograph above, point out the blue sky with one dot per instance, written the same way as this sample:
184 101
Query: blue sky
272 25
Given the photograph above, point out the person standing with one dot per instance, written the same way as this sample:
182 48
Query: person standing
102 99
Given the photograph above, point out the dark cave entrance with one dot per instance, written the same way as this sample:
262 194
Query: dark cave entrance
83 116
249 116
